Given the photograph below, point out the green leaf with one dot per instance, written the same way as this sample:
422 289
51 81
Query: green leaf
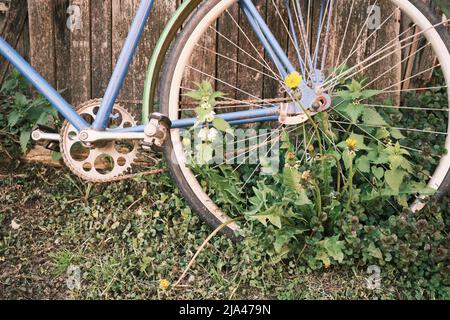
397 134
13 118
374 251
25 136
382 133
420 188
197 95
56 156
355 86
378 172
373 118
291 178
394 178
20 99
363 164
396 161
204 153
323 256
366 94
202 113
283 237
221 124
303 199
354 111
348 157
263 218
334 248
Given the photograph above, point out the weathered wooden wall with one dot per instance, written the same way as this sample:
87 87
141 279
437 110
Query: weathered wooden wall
14 28
79 62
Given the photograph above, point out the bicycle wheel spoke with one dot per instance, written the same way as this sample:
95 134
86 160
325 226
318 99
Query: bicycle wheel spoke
238 62
317 36
348 73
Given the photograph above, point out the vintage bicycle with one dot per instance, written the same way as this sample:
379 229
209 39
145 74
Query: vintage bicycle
302 68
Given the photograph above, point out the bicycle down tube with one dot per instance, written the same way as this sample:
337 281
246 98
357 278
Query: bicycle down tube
271 45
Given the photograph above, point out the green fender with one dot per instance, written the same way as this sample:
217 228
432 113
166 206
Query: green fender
162 46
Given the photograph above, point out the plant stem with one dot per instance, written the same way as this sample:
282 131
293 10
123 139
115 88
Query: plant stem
318 197
350 184
339 169
203 245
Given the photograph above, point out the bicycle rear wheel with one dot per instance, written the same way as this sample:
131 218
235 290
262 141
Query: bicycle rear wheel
402 108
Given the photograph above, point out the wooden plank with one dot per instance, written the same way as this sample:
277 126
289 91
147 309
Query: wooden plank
101 16
227 66
388 70
292 51
80 54
203 63
42 46
348 47
361 41
250 82
426 61
14 29
123 12
63 47
276 17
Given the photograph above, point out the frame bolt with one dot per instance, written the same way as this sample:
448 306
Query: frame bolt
315 106
83 136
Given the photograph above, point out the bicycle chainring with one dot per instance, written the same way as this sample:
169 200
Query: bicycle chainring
103 161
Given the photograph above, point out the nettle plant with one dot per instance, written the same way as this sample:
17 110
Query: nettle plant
325 193
20 113
207 127
325 202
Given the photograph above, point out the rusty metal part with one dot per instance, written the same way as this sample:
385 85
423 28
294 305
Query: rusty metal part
105 161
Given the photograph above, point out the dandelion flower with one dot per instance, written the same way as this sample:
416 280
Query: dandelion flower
290 156
164 284
306 175
351 144
293 80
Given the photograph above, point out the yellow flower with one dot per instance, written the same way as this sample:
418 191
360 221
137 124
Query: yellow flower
164 284
351 144
306 175
290 156
293 80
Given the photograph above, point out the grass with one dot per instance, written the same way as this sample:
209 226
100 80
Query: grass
125 237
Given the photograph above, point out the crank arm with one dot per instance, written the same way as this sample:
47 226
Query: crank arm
154 134
89 136
39 135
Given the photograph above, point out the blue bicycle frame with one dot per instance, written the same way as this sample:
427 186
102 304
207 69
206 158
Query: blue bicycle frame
261 29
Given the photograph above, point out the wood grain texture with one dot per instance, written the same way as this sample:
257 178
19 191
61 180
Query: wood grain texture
14 28
80 55
42 35
80 62
101 24
252 54
276 17
63 47
203 61
227 66
123 12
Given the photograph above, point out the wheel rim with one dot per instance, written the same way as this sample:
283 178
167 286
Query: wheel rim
178 156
